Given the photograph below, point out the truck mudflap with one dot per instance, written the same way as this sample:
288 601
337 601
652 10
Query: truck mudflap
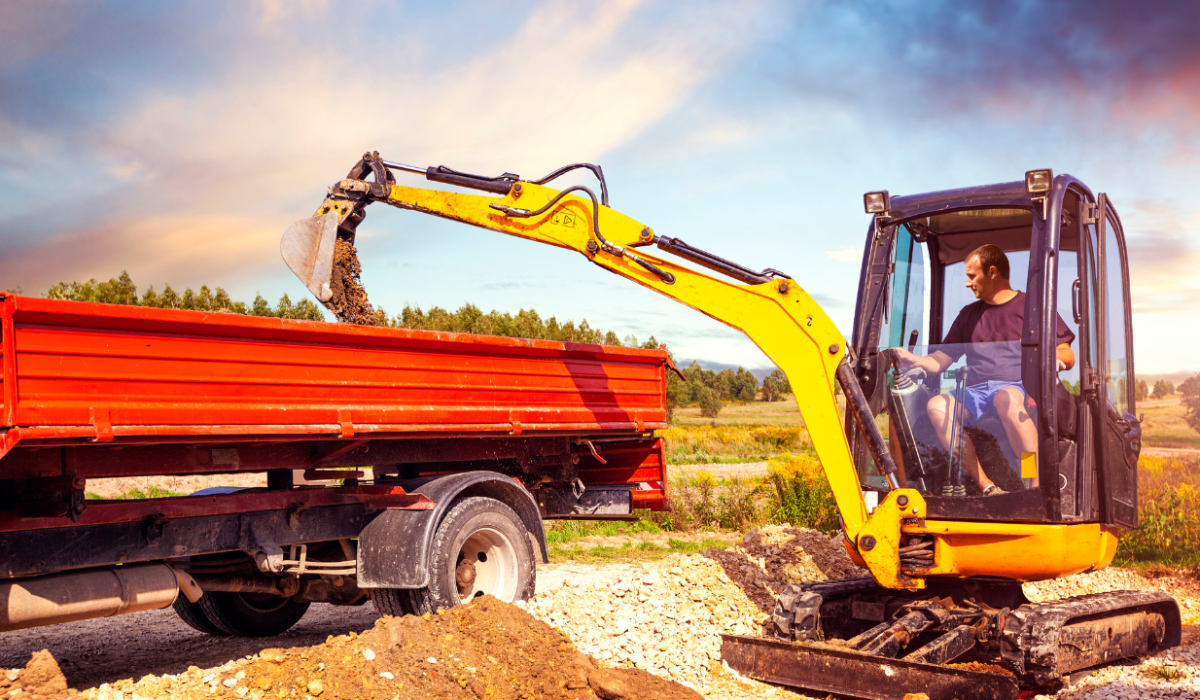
851 674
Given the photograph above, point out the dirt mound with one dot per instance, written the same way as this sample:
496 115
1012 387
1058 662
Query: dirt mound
771 557
41 679
486 649
349 301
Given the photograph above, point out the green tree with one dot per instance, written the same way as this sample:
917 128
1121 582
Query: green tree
710 403
775 386
725 384
1162 389
1190 392
747 385
1141 390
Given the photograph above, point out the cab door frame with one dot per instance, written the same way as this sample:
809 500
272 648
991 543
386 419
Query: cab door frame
1117 433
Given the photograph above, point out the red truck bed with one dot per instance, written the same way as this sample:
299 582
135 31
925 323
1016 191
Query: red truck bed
101 390
79 372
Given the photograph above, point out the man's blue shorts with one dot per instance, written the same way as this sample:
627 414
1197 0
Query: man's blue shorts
980 398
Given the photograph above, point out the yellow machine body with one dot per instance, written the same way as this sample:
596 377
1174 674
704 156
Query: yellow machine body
798 336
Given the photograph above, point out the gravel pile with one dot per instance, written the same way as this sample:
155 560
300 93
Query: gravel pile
1185 591
666 617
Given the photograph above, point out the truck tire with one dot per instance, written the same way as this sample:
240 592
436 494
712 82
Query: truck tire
251 614
480 548
194 616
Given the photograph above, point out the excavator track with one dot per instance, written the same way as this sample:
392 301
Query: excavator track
1011 643
1042 643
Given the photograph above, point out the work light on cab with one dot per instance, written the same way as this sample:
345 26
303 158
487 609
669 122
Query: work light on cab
1038 181
877 202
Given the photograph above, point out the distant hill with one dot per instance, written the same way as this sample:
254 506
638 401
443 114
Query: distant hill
1175 378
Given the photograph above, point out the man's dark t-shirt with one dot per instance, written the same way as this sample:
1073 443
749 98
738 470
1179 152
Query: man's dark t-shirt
990 336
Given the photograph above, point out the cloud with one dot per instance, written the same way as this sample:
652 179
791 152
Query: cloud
1115 62
1163 241
234 152
851 254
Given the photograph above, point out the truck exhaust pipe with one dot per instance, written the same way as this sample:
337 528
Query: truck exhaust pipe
82 595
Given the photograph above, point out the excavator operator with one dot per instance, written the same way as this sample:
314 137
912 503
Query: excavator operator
988 332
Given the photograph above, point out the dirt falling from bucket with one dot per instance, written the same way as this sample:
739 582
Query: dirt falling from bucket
349 301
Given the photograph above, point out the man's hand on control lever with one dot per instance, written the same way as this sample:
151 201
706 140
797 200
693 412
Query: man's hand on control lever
931 364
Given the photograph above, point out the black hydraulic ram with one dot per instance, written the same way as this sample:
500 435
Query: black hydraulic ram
717 263
860 410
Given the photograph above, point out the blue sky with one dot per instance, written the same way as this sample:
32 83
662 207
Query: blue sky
179 140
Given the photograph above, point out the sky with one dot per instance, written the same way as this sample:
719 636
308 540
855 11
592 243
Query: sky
178 140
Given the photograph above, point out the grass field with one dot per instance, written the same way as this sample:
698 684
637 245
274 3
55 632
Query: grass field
1165 425
694 439
781 413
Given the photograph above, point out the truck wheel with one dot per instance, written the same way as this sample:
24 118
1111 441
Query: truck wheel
194 616
480 548
251 614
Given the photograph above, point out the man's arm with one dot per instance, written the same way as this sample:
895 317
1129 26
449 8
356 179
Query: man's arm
1065 355
934 363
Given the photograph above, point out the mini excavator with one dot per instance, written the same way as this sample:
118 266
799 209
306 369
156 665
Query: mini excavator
942 611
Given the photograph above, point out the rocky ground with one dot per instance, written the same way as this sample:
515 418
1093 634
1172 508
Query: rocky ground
659 619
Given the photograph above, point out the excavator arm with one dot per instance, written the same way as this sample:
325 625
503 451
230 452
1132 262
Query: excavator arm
768 306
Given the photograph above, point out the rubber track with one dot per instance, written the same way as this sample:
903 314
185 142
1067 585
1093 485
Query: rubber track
1029 640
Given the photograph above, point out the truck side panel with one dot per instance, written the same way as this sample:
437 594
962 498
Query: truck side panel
104 372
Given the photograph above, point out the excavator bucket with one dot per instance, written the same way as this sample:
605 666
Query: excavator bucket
307 247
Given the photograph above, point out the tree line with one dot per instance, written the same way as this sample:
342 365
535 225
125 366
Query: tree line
1161 390
705 388
122 290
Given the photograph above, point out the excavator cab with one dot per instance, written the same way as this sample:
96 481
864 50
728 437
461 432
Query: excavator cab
1065 247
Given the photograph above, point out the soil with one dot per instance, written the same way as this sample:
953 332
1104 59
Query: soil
982 668
771 557
486 649
349 301
41 679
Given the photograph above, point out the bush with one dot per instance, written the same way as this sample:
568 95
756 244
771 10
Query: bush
804 496
1169 511
1190 391
710 402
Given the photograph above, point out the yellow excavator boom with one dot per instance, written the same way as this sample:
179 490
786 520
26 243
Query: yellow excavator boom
773 310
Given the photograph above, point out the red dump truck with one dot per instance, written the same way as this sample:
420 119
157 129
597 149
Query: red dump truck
438 456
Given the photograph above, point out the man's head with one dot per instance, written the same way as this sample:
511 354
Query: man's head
987 271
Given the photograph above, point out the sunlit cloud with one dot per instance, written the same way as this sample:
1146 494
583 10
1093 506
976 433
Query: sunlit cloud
1164 257
259 139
